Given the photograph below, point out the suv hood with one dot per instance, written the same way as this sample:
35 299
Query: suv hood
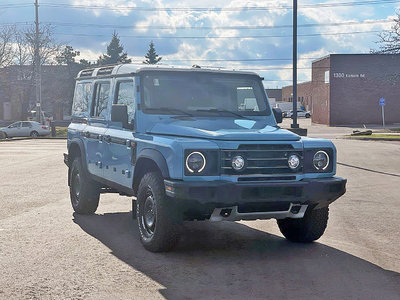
224 129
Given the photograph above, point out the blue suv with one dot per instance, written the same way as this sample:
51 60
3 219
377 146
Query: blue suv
194 144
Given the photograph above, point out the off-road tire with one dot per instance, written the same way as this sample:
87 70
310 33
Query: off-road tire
84 192
163 235
34 134
307 229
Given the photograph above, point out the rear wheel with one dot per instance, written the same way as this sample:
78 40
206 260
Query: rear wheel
308 115
307 229
84 192
34 134
158 231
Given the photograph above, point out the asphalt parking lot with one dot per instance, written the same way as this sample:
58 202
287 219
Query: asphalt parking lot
48 252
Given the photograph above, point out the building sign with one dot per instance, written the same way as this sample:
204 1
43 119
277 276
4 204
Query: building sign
348 75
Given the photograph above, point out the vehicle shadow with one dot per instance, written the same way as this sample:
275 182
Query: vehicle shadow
230 260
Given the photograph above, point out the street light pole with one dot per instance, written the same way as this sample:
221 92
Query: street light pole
294 116
38 76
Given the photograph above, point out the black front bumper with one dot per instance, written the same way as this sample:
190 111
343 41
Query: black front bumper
318 192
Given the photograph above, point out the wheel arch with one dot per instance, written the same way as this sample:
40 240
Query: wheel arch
76 149
149 160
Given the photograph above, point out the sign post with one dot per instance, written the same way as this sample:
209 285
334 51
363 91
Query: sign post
382 105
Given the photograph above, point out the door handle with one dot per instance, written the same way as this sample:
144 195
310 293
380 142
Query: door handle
107 138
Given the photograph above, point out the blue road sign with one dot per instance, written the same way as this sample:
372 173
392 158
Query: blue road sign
382 102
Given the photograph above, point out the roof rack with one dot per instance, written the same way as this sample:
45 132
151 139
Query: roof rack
86 73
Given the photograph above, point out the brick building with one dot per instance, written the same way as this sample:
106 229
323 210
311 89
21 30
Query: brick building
345 89
17 91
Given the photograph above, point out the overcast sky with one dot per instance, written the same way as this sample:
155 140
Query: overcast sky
87 25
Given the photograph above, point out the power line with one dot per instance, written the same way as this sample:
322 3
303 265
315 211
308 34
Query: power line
208 9
116 26
221 37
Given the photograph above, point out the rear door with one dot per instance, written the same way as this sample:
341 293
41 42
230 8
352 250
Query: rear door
120 145
96 128
26 128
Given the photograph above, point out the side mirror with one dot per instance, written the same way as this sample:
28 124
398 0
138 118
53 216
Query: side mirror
278 115
119 113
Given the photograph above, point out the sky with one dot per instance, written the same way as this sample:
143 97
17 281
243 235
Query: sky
245 35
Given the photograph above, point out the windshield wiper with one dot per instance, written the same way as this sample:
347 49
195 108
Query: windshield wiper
171 110
220 110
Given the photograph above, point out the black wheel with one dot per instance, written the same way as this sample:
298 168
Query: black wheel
308 115
84 192
307 229
3 135
157 227
34 134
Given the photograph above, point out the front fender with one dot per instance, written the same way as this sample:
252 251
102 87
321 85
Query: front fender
158 158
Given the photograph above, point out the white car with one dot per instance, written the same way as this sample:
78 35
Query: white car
300 114
25 128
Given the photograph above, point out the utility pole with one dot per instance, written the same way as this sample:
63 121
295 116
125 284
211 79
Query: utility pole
294 116
38 75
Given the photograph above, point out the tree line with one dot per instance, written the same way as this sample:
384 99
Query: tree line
17 47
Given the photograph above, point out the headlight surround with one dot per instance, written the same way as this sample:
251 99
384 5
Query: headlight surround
321 160
195 162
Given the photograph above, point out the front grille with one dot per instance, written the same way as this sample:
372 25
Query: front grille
261 159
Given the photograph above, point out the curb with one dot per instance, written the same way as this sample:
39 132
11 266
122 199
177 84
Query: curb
29 138
374 139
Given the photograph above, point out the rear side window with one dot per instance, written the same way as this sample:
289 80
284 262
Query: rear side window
100 103
125 94
26 124
80 106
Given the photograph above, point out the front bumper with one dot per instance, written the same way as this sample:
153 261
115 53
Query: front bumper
317 192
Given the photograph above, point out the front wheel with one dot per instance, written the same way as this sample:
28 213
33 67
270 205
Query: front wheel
308 116
158 233
307 229
34 134
84 192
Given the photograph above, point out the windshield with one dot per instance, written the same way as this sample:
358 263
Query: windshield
203 93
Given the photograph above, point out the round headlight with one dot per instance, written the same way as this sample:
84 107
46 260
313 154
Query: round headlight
238 163
195 162
293 161
321 160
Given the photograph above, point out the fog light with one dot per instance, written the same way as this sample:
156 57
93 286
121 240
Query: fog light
294 161
238 163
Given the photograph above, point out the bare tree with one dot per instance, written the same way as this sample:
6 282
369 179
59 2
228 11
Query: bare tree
6 49
389 40
48 47
22 54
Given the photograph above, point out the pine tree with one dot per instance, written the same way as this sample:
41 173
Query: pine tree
152 57
67 56
115 53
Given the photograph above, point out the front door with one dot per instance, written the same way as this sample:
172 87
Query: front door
14 129
120 144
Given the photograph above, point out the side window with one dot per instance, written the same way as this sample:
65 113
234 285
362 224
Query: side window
26 124
100 103
125 94
15 125
81 102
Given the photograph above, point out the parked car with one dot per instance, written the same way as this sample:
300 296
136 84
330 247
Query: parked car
188 144
300 114
25 128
